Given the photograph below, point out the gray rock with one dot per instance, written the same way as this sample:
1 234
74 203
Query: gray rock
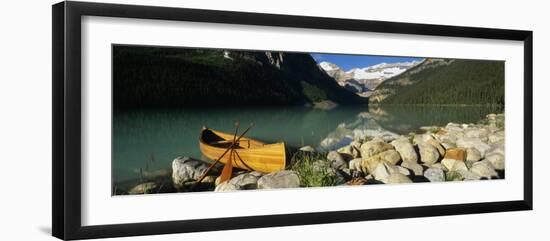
280 179
405 149
391 156
143 188
484 169
434 174
185 169
428 153
382 172
336 160
371 148
472 154
415 167
246 180
226 187
496 159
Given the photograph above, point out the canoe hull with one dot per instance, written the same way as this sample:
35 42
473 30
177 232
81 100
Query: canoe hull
255 155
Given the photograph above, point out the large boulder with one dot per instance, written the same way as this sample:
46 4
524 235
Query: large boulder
428 153
405 149
186 169
280 179
371 148
434 174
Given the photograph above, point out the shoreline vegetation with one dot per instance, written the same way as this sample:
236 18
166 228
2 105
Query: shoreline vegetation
453 152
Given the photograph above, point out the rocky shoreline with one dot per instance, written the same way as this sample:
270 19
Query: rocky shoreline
454 152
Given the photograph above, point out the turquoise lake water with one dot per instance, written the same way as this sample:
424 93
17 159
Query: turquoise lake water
150 139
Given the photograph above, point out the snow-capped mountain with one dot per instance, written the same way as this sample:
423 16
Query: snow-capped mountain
363 80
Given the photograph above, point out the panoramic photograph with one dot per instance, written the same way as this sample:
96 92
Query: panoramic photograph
222 120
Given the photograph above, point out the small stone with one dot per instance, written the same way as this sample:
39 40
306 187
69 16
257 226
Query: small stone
226 187
307 149
143 188
246 180
434 174
382 172
428 153
405 149
391 156
415 167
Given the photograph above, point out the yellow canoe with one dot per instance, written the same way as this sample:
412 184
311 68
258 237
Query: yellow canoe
255 155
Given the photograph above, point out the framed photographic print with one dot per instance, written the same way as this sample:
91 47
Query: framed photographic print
170 120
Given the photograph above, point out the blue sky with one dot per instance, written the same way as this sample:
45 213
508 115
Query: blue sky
347 62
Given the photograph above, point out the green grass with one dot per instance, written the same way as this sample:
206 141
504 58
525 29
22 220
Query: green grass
310 175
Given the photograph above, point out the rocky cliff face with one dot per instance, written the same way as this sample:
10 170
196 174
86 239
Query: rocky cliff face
363 80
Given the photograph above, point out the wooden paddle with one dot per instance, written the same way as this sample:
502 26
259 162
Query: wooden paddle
228 168
219 158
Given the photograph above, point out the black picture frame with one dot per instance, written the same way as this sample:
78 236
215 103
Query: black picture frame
66 75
